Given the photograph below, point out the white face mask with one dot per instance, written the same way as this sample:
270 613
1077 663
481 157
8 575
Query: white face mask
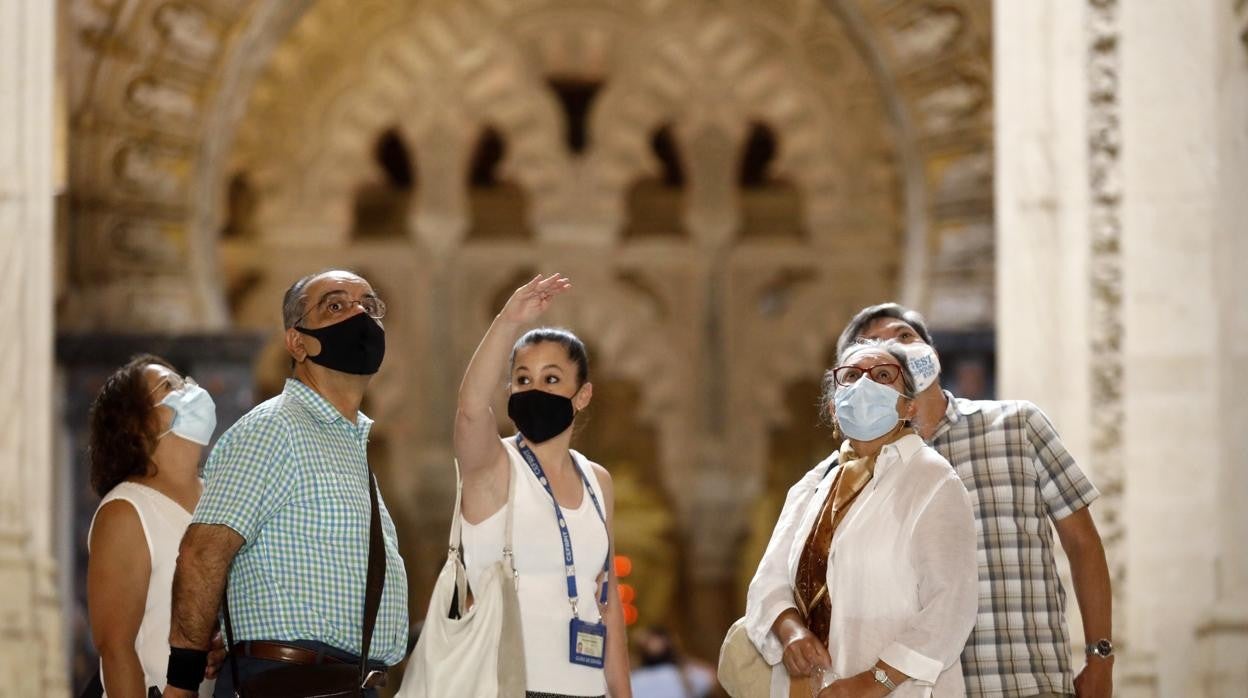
194 413
923 363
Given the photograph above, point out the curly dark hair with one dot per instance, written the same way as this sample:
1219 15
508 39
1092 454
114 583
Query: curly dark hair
122 432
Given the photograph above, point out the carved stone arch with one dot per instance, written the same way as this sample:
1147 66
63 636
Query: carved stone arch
322 191
749 80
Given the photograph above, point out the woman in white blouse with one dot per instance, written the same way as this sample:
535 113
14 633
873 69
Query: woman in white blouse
870 573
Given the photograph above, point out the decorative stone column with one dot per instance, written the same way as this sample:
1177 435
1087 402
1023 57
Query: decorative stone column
1059 314
1222 631
32 660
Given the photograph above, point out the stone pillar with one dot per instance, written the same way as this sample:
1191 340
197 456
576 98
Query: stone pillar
1222 630
1059 310
1122 158
1184 127
32 659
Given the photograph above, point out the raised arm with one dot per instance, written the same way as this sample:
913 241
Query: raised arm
480 454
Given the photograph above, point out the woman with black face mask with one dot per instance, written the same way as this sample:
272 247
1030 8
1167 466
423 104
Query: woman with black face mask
570 613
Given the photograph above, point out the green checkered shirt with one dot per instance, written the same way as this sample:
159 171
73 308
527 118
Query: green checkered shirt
291 477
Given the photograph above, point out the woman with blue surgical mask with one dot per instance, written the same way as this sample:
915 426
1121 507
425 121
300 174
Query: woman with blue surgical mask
869 583
148 428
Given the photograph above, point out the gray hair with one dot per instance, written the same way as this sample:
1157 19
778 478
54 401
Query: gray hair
295 300
891 347
871 313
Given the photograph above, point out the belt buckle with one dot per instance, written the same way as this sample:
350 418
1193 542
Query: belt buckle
376 675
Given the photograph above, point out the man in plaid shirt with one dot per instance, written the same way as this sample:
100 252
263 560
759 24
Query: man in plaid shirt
1020 477
286 510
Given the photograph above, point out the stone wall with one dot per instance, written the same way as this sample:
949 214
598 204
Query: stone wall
32 659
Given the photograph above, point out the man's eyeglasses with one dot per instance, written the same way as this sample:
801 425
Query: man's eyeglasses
337 304
846 376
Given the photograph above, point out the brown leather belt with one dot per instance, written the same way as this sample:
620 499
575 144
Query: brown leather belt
293 654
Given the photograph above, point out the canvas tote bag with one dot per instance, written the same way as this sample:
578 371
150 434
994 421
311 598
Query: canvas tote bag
470 648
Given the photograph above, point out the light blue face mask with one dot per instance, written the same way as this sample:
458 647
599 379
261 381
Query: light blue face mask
194 413
866 410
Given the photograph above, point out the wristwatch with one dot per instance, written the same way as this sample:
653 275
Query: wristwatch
1101 648
881 676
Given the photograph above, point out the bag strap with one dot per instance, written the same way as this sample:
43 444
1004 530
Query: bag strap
455 543
229 637
375 582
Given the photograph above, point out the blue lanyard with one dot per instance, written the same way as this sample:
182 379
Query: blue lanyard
569 565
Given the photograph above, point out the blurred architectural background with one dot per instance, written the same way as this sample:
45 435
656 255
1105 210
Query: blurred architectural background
1059 186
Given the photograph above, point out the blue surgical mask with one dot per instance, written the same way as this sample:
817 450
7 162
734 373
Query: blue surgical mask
194 413
866 410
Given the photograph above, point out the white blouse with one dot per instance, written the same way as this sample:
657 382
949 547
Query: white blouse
902 573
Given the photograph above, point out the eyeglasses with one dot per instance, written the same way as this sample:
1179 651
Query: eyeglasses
846 376
174 382
336 304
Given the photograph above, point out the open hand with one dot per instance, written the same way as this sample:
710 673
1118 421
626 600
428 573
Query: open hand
532 299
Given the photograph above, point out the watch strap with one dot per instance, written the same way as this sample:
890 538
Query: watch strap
881 676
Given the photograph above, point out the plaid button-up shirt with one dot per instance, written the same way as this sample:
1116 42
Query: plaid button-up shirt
1020 477
291 477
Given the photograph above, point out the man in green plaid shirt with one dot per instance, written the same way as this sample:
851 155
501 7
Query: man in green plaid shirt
287 502
1020 477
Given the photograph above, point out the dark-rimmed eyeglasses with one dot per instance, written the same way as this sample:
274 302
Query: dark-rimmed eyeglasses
846 376
337 304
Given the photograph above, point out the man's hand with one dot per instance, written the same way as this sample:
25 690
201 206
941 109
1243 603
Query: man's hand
216 656
1096 680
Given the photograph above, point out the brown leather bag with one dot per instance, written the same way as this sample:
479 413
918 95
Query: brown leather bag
324 680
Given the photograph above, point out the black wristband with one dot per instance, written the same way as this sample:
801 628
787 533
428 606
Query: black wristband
186 668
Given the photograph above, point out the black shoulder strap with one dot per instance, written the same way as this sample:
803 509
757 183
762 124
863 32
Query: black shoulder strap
375 582
376 576
836 459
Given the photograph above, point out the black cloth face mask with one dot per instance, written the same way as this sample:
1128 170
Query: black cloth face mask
539 415
356 345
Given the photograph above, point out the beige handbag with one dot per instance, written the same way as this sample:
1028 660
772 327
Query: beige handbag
470 648
742 670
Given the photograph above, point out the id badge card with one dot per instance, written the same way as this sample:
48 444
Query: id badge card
588 643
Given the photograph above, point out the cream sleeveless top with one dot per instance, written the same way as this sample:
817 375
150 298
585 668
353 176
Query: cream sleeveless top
164 521
544 609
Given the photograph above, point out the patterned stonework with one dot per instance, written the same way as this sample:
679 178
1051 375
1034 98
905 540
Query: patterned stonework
1106 269
867 125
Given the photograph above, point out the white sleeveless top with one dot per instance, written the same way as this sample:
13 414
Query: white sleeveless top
164 521
544 609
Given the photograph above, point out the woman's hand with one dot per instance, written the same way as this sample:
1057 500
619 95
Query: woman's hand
861 685
532 299
802 650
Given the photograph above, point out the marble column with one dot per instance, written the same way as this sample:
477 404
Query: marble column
1059 323
1122 158
1184 126
32 659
